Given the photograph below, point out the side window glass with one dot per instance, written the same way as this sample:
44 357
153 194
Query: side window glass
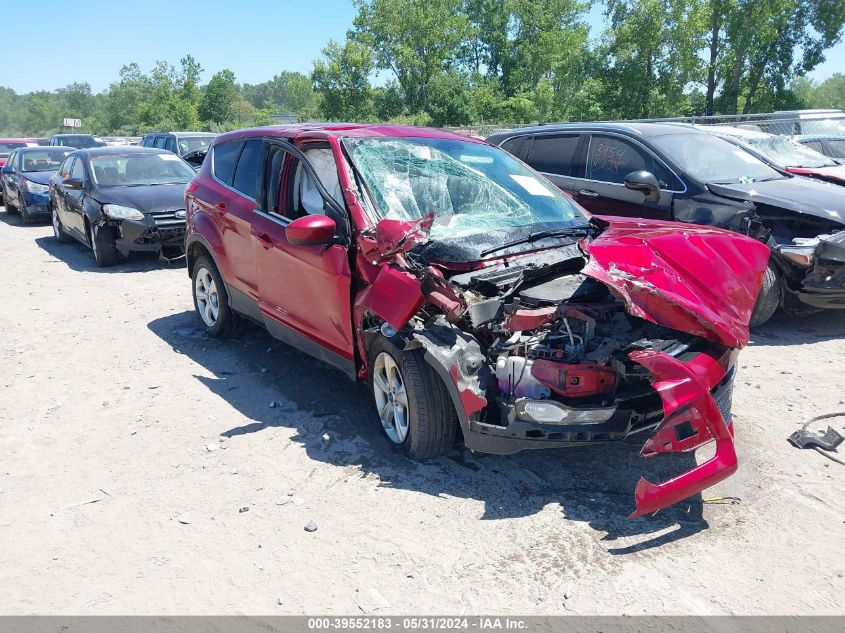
246 174
170 144
224 157
610 159
64 171
553 154
160 142
78 170
513 145
837 149
11 160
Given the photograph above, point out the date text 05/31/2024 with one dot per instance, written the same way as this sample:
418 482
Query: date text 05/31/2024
430 623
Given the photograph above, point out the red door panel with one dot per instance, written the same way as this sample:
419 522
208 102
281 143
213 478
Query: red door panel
306 288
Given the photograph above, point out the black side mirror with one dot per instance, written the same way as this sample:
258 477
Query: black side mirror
74 183
7 169
645 182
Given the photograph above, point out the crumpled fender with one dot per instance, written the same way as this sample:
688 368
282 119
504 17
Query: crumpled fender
695 279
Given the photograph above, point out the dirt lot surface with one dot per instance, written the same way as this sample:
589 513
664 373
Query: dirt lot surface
143 470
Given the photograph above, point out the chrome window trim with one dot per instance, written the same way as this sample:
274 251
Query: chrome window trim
283 222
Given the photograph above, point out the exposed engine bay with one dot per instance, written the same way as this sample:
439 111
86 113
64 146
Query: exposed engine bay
557 343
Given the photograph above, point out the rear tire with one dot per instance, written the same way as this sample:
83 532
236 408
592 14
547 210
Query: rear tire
102 243
211 301
769 298
430 422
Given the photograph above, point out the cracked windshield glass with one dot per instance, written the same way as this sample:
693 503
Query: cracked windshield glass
471 188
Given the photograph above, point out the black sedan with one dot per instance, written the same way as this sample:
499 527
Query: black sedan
121 199
677 172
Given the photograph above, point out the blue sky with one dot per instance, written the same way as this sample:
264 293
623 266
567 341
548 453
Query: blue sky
50 43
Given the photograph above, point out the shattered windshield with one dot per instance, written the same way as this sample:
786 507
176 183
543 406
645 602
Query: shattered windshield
473 189
784 152
710 159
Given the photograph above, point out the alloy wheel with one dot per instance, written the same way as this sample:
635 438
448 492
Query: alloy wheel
391 397
208 300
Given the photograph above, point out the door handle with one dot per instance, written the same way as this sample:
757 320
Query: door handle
264 240
588 193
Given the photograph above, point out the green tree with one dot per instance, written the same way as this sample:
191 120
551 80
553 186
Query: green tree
415 40
342 81
220 98
652 54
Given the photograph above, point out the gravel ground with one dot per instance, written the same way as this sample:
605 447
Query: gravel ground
143 471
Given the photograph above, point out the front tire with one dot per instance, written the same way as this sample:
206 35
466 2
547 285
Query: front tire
769 298
102 243
412 403
10 208
58 228
211 301
27 219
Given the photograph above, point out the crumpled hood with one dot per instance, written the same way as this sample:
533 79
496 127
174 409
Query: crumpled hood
694 279
41 177
835 174
147 198
801 195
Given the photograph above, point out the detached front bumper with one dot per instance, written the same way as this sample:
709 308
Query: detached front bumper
156 232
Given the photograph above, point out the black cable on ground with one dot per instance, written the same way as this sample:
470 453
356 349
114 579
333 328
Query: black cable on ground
826 416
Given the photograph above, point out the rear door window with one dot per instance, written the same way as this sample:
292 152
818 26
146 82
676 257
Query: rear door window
611 159
170 144
246 173
159 142
225 156
554 154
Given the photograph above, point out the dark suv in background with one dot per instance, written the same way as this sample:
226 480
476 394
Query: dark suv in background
77 141
677 172
191 146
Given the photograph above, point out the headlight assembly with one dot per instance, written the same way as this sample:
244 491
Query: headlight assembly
119 212
34 187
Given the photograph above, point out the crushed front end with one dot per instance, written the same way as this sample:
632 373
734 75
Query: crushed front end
585 343
820 264
160 231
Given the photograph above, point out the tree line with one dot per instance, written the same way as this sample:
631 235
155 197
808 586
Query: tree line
461 62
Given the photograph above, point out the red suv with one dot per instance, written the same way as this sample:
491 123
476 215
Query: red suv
476 298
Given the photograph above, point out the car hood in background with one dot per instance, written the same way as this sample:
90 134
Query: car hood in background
694 279
834 174
145 198
801 195
41 177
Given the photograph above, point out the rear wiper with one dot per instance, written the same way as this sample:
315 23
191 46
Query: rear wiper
569 231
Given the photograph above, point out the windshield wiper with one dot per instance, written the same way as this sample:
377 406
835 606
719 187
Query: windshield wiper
569 231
